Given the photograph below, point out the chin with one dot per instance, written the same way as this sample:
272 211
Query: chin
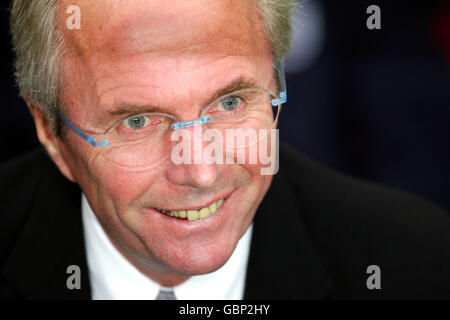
196 259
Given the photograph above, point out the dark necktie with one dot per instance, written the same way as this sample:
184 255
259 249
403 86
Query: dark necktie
166 294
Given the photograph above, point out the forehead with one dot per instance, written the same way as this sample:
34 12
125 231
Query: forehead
118 27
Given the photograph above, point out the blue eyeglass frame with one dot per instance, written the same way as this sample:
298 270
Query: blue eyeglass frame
177 125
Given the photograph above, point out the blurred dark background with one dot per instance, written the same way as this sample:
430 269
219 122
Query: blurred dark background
374 104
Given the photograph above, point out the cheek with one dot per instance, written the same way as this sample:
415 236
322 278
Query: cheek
124 186
257 187
107 182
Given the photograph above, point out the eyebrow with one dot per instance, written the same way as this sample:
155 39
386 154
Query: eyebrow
125 109
239 83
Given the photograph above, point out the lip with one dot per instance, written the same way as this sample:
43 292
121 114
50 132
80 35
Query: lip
224 197
181 224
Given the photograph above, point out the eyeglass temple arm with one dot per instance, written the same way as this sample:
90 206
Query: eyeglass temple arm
283 93
83 135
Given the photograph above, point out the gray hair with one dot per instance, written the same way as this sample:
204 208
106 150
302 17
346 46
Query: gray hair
37 47
38 44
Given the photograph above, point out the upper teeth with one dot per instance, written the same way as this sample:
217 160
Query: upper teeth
192 215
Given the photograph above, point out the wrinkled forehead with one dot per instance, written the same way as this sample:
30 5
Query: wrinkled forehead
120 27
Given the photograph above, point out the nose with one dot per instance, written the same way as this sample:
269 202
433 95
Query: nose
198 176
197 172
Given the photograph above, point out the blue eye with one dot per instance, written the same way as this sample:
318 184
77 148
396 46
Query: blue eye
230 103
136 122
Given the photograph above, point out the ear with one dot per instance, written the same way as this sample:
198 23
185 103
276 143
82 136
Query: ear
50 140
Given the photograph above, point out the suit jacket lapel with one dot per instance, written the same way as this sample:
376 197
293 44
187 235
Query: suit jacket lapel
51 240
283 263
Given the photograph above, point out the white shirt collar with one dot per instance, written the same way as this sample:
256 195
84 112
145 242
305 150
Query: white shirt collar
113 277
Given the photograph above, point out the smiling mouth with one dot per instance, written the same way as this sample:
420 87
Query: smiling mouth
194 214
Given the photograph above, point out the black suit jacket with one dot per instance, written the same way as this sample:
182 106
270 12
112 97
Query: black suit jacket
315 234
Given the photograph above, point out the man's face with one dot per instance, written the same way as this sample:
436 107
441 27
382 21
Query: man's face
174 55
